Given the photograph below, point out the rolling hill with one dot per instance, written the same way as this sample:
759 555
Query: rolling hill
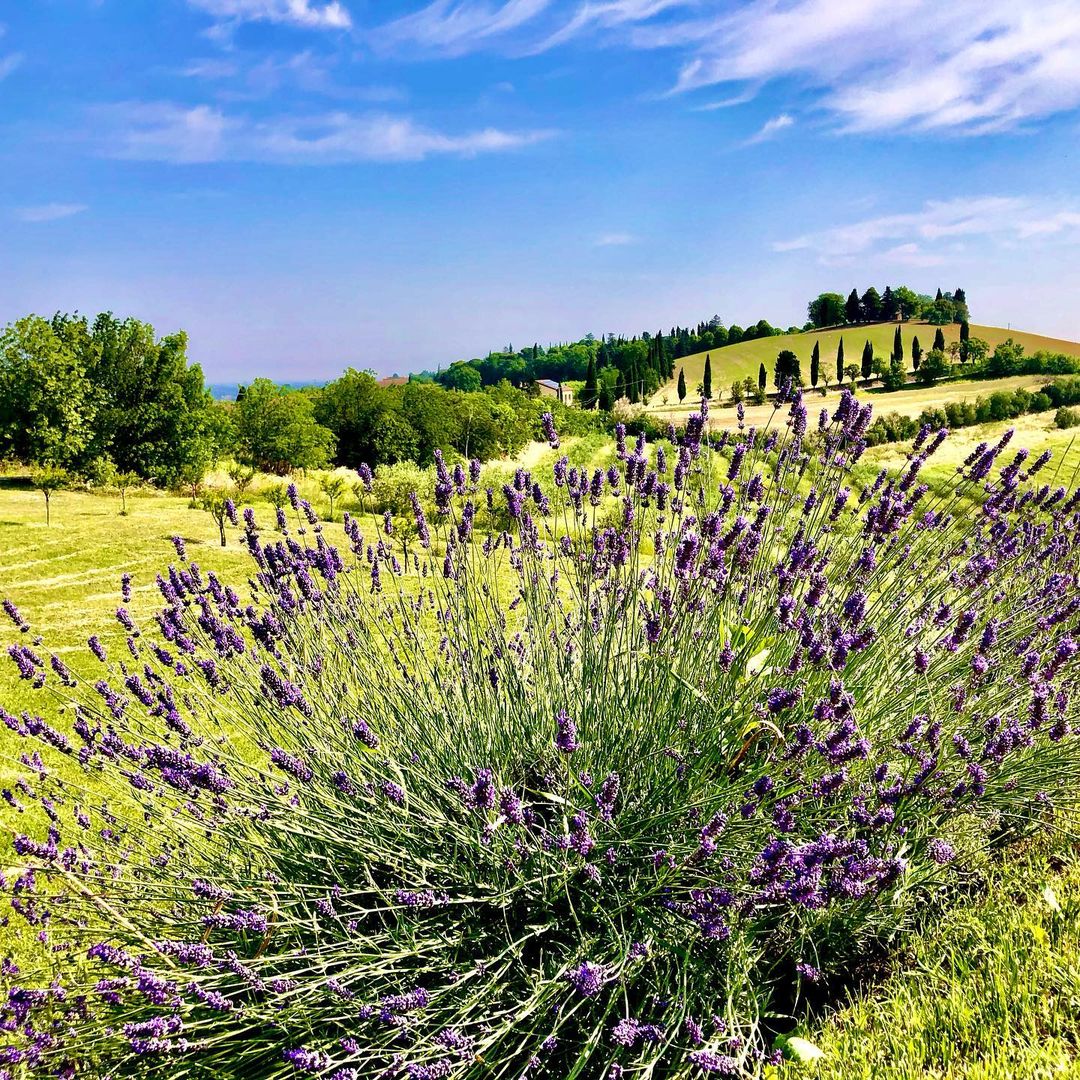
739 361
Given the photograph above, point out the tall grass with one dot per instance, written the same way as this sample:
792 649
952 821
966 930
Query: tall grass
591 777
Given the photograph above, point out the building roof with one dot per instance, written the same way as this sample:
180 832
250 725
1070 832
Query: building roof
549 383
393 380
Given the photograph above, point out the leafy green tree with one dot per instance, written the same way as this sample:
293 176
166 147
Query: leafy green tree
1008 359
707 381
853 307
907 301
871 305
894 376
351 406
890 305
737 392
826 310
433 413
852 373
840 362
462 375
933 368
815 364
49 479
682 386
47 408
241 477
277 431
394 439
153 412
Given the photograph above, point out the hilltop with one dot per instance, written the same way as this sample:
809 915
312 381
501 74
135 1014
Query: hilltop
743 359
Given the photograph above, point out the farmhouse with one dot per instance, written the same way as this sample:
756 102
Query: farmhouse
552 389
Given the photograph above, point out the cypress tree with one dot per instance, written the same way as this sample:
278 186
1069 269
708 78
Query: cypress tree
916 353
840 362
853 307
965 335
590 383
867 360
939 339
762 378
815 362
682 386
898 345
707 381
938 297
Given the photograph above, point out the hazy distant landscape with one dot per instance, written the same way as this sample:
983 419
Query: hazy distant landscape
539 540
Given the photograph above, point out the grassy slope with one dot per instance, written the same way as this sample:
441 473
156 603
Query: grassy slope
739 361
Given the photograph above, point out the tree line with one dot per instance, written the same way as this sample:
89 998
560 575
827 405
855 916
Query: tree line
895 302
108 399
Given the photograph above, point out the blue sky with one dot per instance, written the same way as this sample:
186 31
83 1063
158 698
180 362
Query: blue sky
304 185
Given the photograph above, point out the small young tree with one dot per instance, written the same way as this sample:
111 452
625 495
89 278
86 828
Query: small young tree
216 502
682 386
48 479
737 393
852 373
333 487
241 476
707 381
894 376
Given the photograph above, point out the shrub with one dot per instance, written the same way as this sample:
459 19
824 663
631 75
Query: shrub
533 799
1067 418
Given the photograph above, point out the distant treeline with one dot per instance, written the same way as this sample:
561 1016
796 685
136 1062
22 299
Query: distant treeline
900 301
107 397
608 368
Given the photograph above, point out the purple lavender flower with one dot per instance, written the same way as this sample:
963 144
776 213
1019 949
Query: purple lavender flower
566 735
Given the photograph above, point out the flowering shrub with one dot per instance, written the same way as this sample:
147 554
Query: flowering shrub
591 795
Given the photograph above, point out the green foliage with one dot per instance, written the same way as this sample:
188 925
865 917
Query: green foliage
867 366
787 369
47 407
934 367
682 386
217 503
277 432
333 487
1067 418
707 381
826 310
815 364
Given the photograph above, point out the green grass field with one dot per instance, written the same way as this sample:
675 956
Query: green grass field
743 360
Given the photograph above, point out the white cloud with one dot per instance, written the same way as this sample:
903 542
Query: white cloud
614 239
921 237
969 66
167 132
48 212
331 15
771 127
9 63
454 27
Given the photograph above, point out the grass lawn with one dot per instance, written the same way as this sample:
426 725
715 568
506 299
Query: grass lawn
910 401
739 361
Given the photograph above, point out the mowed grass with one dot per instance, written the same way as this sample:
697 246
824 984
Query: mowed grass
910 401
743 360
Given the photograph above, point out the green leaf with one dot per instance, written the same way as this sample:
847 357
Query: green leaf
798 1049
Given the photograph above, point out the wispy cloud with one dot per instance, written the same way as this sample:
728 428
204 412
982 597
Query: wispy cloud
48 212
614 239
331 15
454 27
970 66
172 133
918 238
9 63
771 127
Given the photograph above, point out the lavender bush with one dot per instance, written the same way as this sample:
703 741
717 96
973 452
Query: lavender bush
584 778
